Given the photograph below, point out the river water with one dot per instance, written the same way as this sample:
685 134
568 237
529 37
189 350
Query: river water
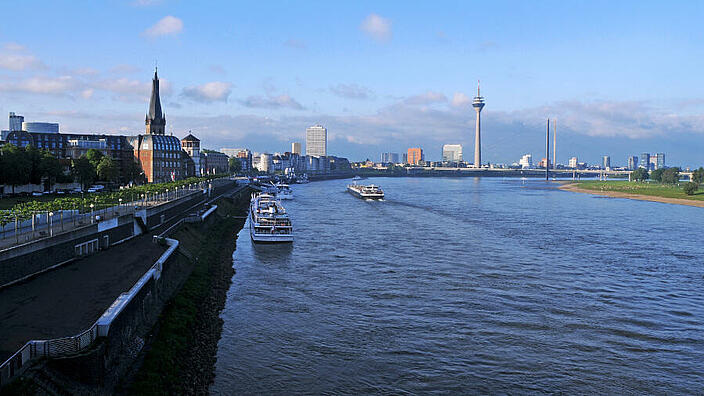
468 285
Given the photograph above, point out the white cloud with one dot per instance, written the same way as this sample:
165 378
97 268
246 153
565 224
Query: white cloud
215 91
426 98
168 25
42 85
272 102
351 91
459 99
14 47
87 93
377 27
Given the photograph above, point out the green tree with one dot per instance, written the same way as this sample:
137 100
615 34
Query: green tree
83 170
35 160
656 175
639 175
235 165
51 168
94 156
690 188
698 175
131 171
107 170
671 176
16 165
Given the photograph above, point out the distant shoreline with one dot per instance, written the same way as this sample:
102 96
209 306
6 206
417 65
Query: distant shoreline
569 186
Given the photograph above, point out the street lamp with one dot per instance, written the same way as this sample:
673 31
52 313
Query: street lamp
119 206
51 217
91 213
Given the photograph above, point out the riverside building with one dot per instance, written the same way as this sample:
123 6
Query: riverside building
415 155
316 141
452 153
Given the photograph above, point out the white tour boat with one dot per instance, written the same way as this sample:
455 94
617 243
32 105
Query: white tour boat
268 220
283 191
366 192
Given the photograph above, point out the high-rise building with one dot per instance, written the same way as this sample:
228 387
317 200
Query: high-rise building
526 162
452 153
478 105
644 161
415 155
573 162
16 121
296 148
317 141
389 158
658 160
606 162
405 158
632 162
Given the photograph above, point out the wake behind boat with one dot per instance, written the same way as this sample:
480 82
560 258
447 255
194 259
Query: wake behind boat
268 220
366 192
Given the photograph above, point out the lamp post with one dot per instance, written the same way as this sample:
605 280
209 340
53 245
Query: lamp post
92 218
51 230
167 194
119 206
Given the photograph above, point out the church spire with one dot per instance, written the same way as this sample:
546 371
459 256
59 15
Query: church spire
156 122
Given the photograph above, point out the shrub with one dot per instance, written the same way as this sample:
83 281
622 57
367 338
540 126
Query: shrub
690 188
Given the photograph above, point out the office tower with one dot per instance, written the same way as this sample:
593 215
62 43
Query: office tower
526 162
572 163
316 141
632 162
644 161
16 121
658 160
389 158
296 148
415 155
478 105
452 153
606 162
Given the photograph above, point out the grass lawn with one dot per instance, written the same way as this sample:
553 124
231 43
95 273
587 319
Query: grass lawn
653 188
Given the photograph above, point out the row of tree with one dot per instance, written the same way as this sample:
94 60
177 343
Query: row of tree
670 176
29 165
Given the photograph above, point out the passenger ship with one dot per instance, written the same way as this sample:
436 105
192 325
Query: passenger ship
366 192
268 220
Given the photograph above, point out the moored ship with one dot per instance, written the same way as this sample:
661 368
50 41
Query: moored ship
366 192
268 220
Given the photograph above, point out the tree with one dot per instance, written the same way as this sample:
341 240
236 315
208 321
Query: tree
51 168
671 176
131 171
94 156
690 188
35 160
235 165
107 170
83 171
639 174
656 175
16 165
698 175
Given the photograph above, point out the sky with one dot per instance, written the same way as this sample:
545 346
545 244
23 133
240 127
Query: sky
620 78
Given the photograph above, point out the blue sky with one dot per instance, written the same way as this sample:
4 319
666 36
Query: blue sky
620 77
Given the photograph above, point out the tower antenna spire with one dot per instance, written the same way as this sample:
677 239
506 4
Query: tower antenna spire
478 88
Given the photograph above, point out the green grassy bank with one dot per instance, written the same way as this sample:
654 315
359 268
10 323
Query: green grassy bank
642 188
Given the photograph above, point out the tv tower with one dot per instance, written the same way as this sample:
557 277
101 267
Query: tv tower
478 105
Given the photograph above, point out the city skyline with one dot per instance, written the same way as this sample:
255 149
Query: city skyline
238 98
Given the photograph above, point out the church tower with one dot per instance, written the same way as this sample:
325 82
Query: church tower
155 120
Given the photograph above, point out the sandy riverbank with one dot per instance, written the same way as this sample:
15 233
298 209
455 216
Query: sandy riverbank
617 194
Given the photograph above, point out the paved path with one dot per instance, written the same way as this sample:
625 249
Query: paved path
68 300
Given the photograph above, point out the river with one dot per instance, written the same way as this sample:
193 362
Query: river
468 285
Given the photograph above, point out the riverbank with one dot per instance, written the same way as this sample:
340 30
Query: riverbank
180 356
639 191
